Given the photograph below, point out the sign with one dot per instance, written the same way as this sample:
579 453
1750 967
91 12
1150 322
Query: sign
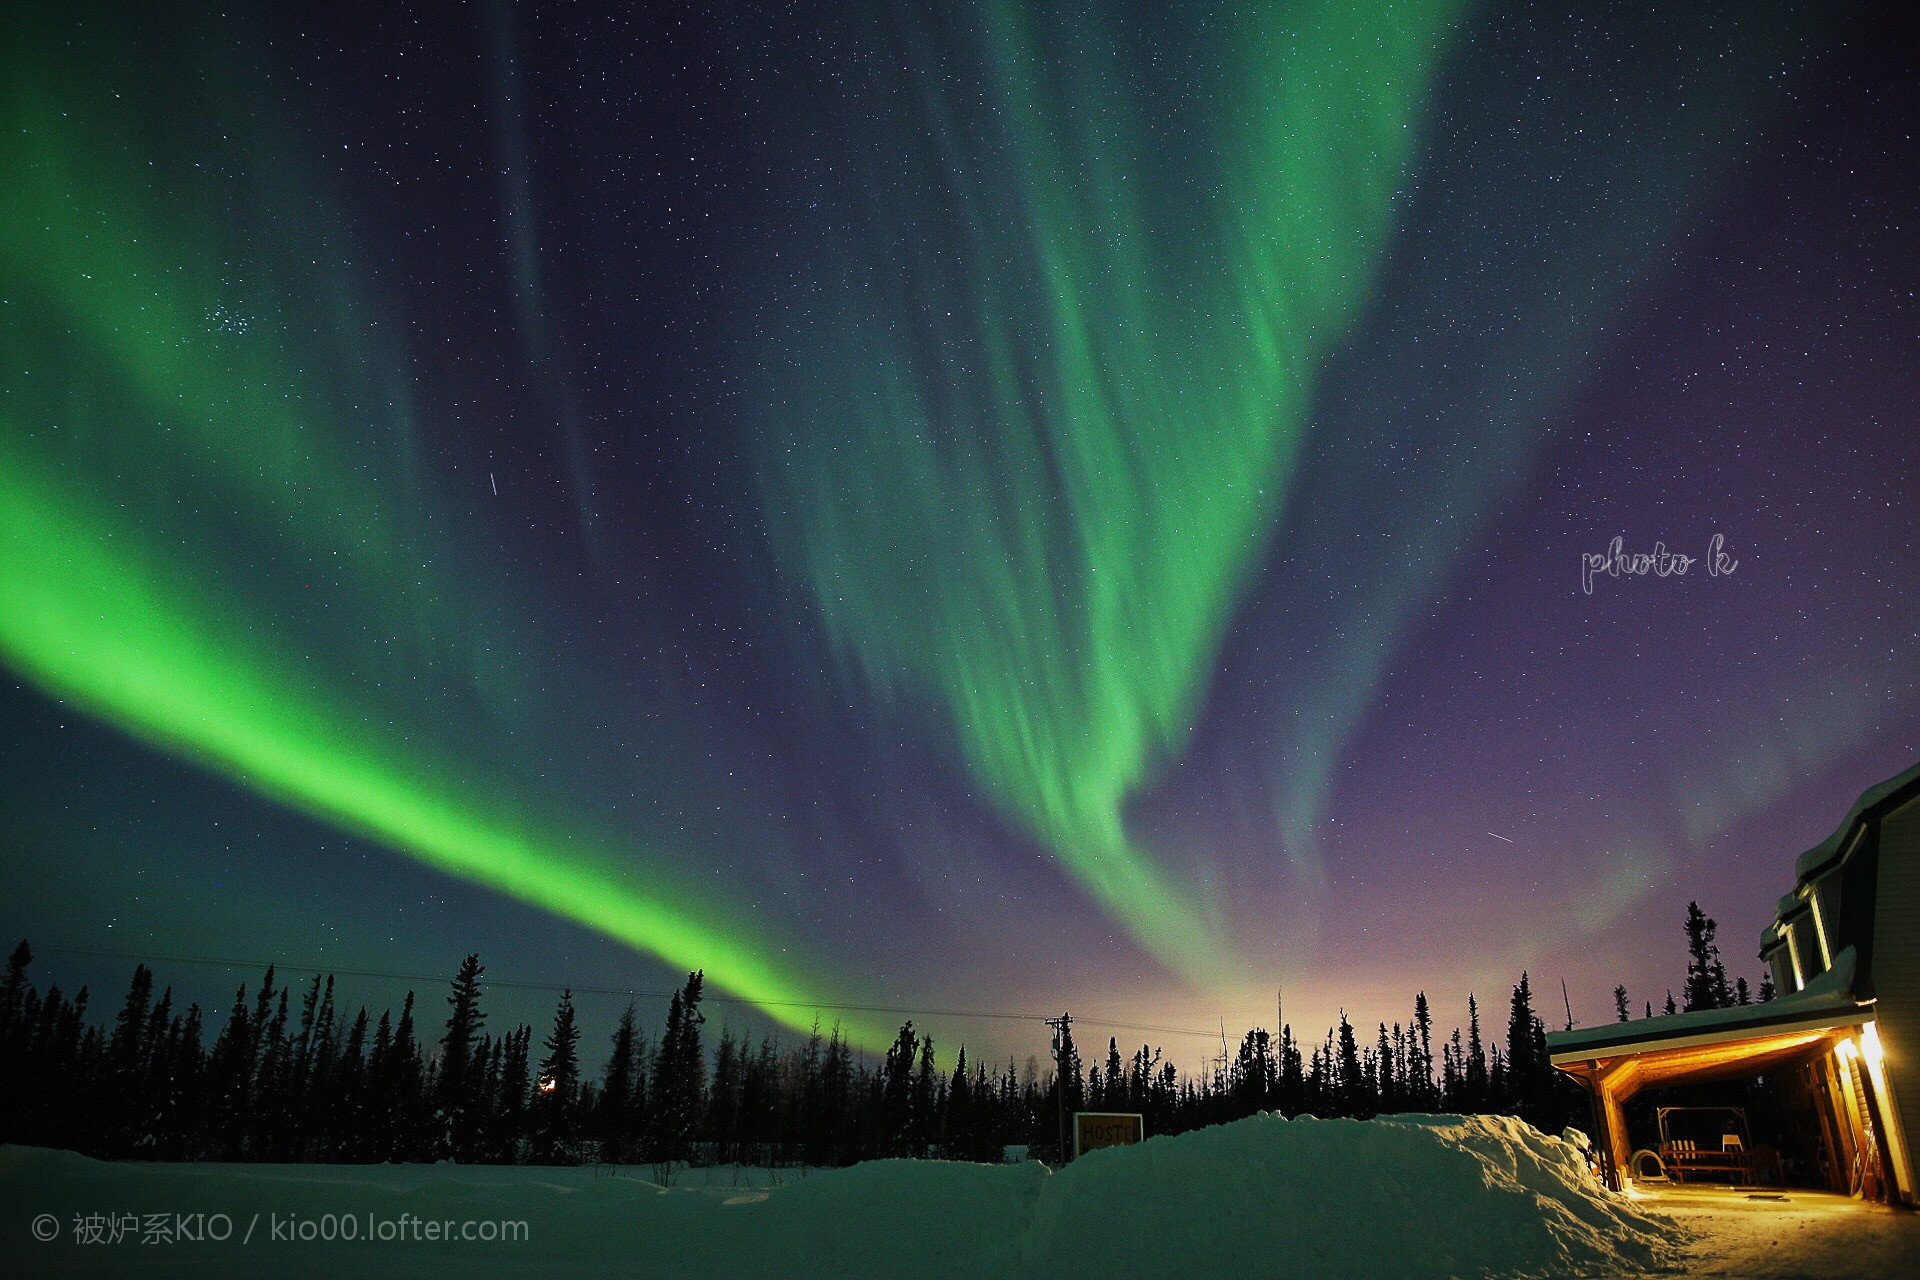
1095 1129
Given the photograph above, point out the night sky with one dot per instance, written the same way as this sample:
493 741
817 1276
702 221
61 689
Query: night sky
979 506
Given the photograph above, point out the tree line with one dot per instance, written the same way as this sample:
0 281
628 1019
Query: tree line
290 1076
1706 985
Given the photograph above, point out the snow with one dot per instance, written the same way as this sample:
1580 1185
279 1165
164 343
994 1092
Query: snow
1403 1196
1829 849
1739 1235
1407 1196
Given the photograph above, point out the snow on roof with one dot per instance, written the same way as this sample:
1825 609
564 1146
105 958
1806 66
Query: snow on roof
1829 996
1829 849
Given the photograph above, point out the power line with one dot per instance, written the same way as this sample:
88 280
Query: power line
222 962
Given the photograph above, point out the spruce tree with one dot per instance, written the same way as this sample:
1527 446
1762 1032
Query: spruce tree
1453 1074
403 1091
124 1064
693 1059
348 1099
723 1103
1386 1085
986 1141
558 1087
1293 1083
897 1091
492 1141
667 1131
1476 1084
679 1073
616 1106
516 1080
958 1136
1349 1084
767 1123
1620 1003
925 1105
1423 1064
153 1084
455 1088
1254 1078
1706 977
836 1097
1529 1069
270 1083
13 991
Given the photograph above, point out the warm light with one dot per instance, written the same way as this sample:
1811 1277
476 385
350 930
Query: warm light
549 1085
1870 1045
1845 1050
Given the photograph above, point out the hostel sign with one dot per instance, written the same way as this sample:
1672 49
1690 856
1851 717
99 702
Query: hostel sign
1095 1129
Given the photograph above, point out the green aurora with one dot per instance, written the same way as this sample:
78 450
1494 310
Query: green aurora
1063 350
167 465
1030 416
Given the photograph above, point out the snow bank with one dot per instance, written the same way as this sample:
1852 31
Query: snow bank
1402 1196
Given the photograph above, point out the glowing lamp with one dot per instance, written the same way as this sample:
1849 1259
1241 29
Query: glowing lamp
1845 1050
1870 1045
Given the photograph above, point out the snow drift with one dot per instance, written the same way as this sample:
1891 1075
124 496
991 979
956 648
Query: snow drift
1400 1196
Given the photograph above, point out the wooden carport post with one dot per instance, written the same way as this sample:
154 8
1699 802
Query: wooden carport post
1609 1174
1609 1123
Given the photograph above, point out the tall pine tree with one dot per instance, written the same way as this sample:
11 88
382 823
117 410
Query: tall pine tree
557 1091
1706 977
620 1094
456 1087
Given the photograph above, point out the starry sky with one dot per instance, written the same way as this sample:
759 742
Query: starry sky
980 506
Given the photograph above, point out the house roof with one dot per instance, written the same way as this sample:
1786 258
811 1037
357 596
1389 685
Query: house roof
1810 864
1816 858
1827 1001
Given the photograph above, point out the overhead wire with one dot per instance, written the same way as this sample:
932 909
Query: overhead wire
511 984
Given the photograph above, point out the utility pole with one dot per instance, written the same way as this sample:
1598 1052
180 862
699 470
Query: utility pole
1059 1026
1564 1000
1279 1044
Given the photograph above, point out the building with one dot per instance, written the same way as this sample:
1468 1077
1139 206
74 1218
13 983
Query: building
1840 1044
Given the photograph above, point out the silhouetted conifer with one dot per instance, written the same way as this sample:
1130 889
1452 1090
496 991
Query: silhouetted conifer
456 1084
619 1095
556 1091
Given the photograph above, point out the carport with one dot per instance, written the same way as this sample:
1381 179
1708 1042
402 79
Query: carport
1822 1033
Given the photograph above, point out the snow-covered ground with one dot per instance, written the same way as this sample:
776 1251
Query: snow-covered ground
1794 1235
1412 1197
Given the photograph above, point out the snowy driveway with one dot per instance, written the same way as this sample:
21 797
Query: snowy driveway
1810 1234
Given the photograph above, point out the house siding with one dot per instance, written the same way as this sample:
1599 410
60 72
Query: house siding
1861 877
1896 962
